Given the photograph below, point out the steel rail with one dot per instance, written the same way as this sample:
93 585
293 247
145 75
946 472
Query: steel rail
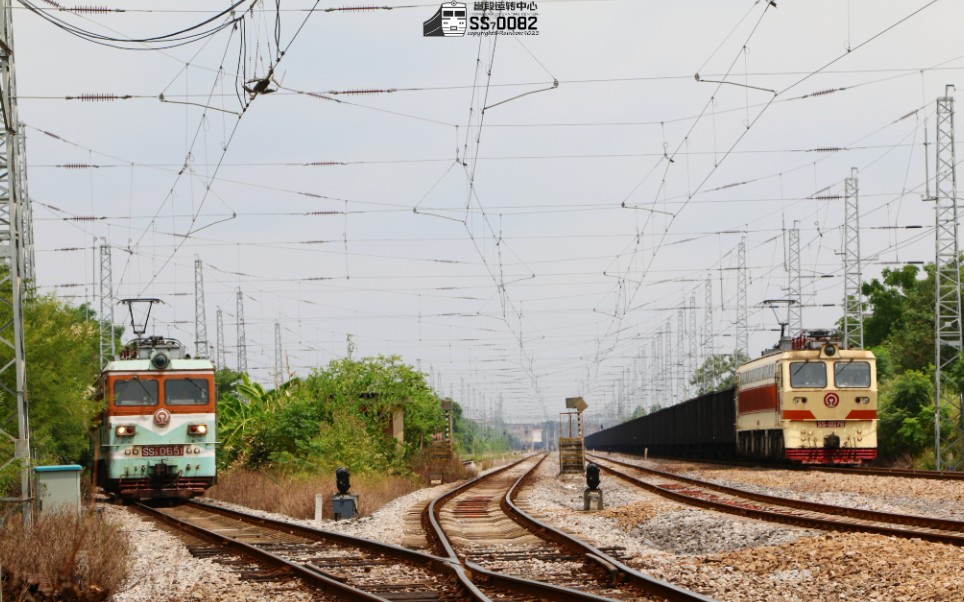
873 515
781 517
311 577
437 562
623 573
478 574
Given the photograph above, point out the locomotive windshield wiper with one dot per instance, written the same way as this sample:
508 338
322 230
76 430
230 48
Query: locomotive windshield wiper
150 395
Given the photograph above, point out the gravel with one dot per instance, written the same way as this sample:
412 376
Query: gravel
725 557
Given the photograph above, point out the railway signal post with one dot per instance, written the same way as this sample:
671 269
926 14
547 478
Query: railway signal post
572 447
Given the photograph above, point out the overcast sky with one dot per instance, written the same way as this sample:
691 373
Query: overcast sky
512 237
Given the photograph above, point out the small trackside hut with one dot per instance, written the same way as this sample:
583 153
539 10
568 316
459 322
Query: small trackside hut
157 433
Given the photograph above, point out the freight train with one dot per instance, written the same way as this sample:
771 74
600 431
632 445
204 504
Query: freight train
805 401
157 433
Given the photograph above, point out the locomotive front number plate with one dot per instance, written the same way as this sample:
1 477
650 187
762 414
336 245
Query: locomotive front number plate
154 451
830 424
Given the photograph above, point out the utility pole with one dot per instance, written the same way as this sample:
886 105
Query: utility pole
707 323
795 309
219 351
200 316
947 322
242 345
853 304
16 245
681 392
278 361
106 318
742 321
694 339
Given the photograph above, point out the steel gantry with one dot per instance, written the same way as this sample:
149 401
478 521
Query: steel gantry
200 315
106 317
242 345
853 321
949 447
795 307
16 251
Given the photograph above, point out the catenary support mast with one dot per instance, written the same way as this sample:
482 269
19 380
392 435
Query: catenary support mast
947 323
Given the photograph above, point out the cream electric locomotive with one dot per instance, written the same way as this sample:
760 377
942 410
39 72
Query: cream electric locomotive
157 432
808 401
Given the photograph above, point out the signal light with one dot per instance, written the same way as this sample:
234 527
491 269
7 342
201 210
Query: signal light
197 429
125 430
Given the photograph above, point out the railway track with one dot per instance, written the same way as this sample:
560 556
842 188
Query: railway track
784 510
948 475
346 568
508 553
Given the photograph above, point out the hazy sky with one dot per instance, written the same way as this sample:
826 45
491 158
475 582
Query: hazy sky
441 199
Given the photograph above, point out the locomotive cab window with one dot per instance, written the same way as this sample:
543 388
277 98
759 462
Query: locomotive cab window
186 392
852 374
135 392
808 375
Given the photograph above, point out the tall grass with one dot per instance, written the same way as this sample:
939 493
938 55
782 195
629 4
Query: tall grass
62 556
295 495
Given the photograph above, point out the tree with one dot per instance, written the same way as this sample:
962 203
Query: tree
718 372
62 354
906 415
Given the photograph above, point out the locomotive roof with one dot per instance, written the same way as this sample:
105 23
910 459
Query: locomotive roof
144 365
808 354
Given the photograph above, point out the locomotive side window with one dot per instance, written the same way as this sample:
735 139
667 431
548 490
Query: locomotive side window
135 392
186 392
808 375
852 374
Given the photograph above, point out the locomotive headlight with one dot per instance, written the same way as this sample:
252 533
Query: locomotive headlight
197 429
863 400
799 400
125 430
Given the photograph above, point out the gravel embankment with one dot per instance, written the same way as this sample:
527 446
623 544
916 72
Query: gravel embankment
725 557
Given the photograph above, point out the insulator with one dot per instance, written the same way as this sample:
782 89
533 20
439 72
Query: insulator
71 249
82 218
77 165
361 92
54 4
824 92
98 97
92 9
52 135
357 8
826 149
911 114
325 213
731 185
324 163
828 197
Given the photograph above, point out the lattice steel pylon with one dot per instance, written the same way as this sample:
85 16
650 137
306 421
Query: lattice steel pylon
708 322
853 322
278 362
106 317
949 447
200 315
668 363
742 321
219 347
795 307
242 345
15 232
681 391
694 338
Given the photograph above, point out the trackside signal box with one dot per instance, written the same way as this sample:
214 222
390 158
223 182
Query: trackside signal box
571 438
58 487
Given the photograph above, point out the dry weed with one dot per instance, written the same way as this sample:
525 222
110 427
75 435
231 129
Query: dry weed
63 556
295 496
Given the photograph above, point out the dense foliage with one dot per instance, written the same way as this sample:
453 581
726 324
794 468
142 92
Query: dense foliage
62 353
899 329
338 415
